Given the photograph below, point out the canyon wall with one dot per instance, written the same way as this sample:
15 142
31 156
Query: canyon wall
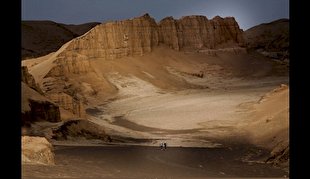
197 32
118 39
139 35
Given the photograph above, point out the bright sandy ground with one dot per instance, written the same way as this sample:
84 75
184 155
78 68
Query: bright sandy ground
155 96
189 117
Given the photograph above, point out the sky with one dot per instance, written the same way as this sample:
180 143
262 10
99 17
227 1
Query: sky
247 13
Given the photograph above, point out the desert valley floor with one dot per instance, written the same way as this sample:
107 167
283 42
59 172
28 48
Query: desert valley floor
105 100
211 140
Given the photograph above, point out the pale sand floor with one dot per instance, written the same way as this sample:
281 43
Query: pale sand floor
182 118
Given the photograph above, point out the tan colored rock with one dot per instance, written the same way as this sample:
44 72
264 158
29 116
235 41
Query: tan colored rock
139 35
36 107
74 63
29 80
70 63
37 150
169 33
271 113
118 39
197 32
68 103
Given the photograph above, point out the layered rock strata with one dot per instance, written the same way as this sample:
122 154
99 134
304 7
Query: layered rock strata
198 32
139 35
68 103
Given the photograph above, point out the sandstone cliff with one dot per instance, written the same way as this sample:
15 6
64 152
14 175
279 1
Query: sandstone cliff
197 32
68 103
118 39
139 35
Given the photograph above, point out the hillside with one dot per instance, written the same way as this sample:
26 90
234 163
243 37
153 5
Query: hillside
42 37
271 39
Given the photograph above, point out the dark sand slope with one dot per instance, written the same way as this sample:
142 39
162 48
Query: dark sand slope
150 162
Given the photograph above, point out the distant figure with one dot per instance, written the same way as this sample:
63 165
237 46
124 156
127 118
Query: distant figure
161 146
165 145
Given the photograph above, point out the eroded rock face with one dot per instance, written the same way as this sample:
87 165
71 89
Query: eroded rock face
132 37
68 103
118 39
139 35
37 150
36 107
29 80
197 32
69 64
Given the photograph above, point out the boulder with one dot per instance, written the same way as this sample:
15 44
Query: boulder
37 150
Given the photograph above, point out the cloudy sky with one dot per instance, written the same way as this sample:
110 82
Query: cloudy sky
248 13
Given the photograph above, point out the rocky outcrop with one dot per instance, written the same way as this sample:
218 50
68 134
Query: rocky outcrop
69 64
197 32
279 156
68 103
36 107
139 35
118 39
69 67
29 80
37 150
80 129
